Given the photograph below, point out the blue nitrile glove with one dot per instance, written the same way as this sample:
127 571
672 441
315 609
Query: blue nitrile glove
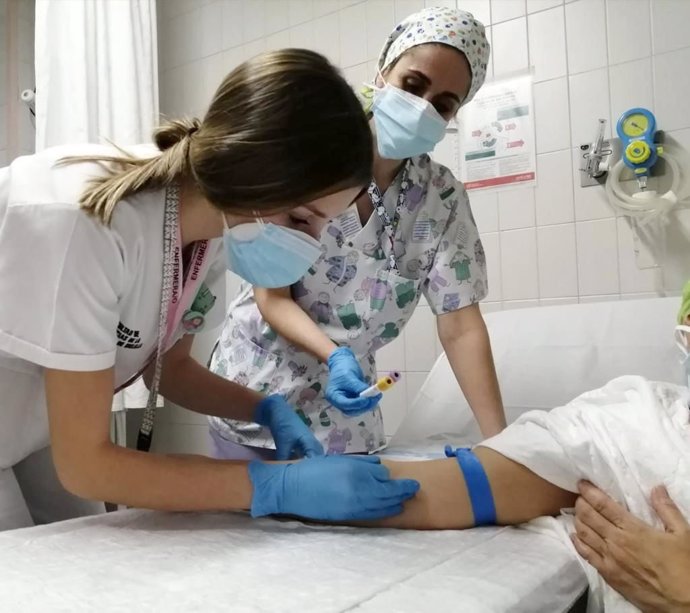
332 488
292 436
345 382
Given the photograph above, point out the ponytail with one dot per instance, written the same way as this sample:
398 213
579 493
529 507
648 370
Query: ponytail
172 139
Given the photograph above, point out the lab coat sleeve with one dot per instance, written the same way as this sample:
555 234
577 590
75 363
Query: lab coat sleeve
457 277
61 273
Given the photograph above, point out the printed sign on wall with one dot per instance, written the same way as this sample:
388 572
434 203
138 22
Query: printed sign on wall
497 142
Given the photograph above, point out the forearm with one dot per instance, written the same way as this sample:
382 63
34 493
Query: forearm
153 481
469 355
442 503
190 385
289 320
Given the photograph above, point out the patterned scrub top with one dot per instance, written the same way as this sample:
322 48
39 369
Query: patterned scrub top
358 300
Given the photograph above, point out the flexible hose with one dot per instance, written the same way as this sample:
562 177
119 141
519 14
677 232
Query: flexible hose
646 204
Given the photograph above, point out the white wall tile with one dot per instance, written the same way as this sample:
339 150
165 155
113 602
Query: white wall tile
541 5
327 37
480 9
254 48
233 22
516 208
302 36
672 89
639 296
492 249
504 10
547 44
300 11
356 75
485 210
420 340
597 257
277 16
628 27
557 301
380 22
403 8
195 98
254 15
585 23
323 7
670 20
631 86
413 383
633 279
392 355
519 266
353 35
279 40
557 261
510 46
602 298
212 29
552 115
590 202
554 192
214 71
490 307
445 3
511 305
181 50
589 101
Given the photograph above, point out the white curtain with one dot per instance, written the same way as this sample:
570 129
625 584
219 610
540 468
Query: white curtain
96 71
97 79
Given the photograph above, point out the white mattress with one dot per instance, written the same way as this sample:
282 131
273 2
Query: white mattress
146 561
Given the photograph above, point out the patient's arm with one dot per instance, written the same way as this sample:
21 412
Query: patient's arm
443 503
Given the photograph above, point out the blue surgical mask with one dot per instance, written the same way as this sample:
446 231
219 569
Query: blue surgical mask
267 255
406 125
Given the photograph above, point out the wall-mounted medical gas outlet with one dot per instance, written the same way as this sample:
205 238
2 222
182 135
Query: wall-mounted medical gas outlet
637 130
636 146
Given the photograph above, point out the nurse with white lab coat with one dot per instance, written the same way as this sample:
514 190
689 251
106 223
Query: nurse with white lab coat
413 234
109 257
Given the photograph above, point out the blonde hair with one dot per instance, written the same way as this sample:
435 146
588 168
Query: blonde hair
282 129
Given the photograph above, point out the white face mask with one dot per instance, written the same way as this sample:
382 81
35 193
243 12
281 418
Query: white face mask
682 334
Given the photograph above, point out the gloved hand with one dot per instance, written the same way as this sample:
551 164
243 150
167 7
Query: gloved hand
292 436
345 382
332 488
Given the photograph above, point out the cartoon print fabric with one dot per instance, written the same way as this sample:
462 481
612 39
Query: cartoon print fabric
358 301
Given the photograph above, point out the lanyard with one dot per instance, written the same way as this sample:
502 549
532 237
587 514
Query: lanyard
176 291
390 226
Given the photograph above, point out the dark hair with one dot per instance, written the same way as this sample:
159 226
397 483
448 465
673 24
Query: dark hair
282 129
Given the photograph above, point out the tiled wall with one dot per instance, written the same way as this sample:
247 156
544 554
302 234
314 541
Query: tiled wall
17 135
553 244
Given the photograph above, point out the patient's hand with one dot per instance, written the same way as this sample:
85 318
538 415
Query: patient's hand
647 566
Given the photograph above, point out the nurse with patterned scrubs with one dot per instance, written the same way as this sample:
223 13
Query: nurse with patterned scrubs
410 234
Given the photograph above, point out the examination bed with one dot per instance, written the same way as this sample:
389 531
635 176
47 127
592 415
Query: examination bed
146 561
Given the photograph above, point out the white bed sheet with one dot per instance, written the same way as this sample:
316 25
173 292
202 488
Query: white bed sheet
146 561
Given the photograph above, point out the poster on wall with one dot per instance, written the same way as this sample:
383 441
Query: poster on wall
497 144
